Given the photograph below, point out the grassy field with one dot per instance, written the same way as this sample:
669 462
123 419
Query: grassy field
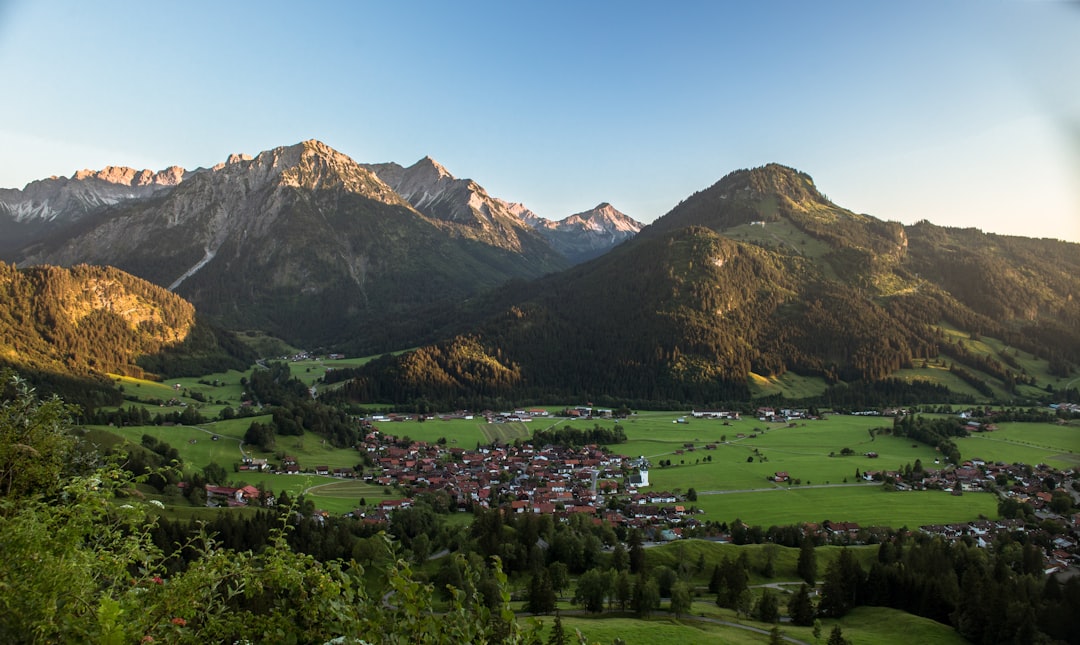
342 496
937 372
868 505
789 385
863 626
732 480
506 432
739 463
1029 443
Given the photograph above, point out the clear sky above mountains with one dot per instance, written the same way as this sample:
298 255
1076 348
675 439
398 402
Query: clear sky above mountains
963 113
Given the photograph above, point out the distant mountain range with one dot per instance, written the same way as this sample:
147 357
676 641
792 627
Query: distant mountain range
754 279
300 241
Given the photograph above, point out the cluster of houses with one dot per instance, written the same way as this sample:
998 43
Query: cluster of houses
773 415
1063 554
523 479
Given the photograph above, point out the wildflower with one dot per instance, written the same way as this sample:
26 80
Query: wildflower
178 621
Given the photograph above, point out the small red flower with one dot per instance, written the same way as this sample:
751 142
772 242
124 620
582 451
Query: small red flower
147 639
179 621
157 580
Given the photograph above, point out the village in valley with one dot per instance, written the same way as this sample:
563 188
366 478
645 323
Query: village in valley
594 481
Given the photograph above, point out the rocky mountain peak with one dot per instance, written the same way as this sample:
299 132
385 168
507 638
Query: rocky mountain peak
429 165
124 176
603 218
585 235
310 165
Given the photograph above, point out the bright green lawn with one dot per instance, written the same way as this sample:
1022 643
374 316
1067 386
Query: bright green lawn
867 505
801 451
1029 443
466 433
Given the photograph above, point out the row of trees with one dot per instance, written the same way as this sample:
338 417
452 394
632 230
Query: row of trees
570 436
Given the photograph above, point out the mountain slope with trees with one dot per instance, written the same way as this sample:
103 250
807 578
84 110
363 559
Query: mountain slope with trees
88 321
759 274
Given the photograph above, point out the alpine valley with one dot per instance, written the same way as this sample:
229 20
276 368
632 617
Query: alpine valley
753 283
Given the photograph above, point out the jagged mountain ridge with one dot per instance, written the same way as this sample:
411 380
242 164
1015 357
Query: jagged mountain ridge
760 274
303 242
48 204
432 190
585 235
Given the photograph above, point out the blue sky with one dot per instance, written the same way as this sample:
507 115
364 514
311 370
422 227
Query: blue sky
962 113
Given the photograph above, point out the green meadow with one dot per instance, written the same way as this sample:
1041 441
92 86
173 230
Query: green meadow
733 480
863 626
868 505
1029 443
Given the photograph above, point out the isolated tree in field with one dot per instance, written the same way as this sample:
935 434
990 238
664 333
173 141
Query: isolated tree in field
541 593
734 581
620 559
646 596
768 608
215 473
260 435
843 580
624 590
775 638
637 551
836 637
665 578
592 589
768 554
807 565
558 634
681 600
560 576
716 580
801 607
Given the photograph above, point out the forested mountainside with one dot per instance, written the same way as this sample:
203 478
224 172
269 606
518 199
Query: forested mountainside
67 328
761 274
